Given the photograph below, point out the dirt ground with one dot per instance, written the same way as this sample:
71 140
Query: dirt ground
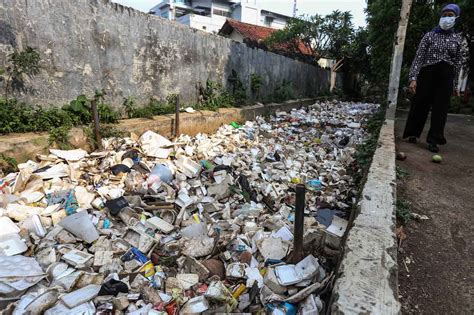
436 260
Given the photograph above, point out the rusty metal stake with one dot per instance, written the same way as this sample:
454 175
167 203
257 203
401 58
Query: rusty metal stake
176 118
95 118
298 253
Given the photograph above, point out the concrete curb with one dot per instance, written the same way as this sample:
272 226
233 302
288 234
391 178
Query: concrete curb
367 275
25 146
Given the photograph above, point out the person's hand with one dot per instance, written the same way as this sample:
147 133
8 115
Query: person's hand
412 87
456 93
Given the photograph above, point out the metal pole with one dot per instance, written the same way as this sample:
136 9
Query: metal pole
95 118
176 118
298 253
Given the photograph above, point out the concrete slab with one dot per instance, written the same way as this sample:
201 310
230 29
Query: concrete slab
367 276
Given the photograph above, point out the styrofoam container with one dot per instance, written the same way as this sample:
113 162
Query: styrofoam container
287 275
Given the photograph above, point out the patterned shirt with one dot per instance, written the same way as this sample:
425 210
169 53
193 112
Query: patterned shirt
437 47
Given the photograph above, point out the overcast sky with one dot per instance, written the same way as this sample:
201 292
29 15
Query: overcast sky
356 7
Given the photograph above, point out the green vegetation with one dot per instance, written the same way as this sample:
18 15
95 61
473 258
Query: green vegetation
59 137
333 37
327 36
403 211
256 82
19 117
149 110
213 96
20 64
80 110
239 92
283 92
7 164
366 150
106 131
401 173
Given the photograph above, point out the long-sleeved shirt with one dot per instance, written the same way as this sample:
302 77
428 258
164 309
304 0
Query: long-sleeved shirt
437 47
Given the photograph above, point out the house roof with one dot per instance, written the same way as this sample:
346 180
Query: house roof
250 31
256 33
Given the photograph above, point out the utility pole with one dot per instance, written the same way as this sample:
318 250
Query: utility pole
397 59
294 8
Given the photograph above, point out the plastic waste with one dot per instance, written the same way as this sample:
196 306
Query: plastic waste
113 287
197 224
163 172
81 226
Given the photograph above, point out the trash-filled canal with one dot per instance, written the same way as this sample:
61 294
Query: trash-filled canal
202 224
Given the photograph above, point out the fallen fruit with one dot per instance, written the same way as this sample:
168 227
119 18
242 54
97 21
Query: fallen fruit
437 158
401 156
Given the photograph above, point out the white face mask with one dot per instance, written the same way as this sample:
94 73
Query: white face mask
447 22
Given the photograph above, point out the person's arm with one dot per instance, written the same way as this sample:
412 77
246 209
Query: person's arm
419 58
458 64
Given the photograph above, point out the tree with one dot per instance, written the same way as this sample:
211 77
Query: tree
22 63
328 37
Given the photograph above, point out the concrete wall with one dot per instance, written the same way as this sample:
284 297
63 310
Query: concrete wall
87 45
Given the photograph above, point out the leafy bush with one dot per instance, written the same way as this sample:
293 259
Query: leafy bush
151 109
283 92
80 111
239 91
59 137
256 82
107 114
20 117
213 96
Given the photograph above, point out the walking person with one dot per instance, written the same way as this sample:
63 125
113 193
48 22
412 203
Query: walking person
433 79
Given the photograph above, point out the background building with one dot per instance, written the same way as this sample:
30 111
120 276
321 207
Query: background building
210 15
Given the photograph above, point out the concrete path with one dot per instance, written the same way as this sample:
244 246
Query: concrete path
436 263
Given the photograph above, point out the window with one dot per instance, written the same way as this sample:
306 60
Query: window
268 21
221 12
165 14
185 2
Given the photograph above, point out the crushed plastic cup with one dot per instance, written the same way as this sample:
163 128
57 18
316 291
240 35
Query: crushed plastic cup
163 172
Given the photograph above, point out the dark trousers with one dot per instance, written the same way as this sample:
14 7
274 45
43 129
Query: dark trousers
433 91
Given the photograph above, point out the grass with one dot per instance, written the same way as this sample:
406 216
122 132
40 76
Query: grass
403 211
366 150
8 164
401 173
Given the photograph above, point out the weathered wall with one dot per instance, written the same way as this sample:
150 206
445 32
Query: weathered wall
87 45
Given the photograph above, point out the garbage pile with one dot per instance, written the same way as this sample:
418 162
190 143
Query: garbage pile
200 225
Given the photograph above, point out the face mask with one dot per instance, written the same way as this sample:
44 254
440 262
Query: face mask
447 22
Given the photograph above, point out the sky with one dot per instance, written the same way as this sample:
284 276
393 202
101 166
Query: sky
311 7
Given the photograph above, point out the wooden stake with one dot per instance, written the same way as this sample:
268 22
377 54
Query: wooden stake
95 118
176 118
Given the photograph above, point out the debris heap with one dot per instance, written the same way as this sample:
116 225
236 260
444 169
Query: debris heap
203 224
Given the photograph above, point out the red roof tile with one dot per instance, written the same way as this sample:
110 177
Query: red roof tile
256 33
